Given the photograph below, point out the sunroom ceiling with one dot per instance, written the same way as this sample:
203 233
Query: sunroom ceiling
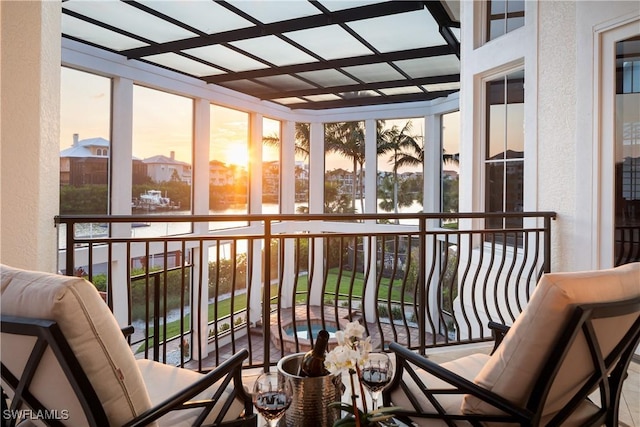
301 54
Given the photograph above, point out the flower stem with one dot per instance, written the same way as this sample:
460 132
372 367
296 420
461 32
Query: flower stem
354 400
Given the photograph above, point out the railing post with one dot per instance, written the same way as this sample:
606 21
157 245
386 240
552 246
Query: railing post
422 299
156 317
70 258
547 244
266 294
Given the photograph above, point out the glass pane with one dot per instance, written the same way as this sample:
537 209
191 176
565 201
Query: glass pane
162 149
85 120
94 34
226 58
133 20
496 123
515 14
198 14
504 185
514 191
400 165
344 167
402 31
274 50
271 166
228 164
627 155
450 161
494 190
496 18
515 116
331 42
302 167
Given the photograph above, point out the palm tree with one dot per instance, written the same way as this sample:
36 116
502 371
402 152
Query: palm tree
405 196
301 140
407 151
347 140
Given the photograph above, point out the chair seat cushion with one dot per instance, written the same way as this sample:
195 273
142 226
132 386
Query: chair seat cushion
163 381
467 367
514 367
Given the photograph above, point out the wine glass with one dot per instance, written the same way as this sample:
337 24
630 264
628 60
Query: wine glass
271 396
376 374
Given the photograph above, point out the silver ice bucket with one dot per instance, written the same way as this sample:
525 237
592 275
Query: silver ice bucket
311 395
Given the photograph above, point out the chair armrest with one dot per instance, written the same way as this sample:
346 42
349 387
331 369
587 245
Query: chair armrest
231 369
498 330
460 385
127 330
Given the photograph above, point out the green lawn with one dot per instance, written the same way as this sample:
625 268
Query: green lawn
240 300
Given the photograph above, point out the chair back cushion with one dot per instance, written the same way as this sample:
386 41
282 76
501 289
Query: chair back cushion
516 365
92 333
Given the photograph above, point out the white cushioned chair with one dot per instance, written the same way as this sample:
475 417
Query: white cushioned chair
562 362
64 357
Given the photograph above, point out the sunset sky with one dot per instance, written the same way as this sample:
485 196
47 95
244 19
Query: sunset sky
162 123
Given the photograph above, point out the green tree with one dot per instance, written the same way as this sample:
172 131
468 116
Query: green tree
403 146
391 198
347 140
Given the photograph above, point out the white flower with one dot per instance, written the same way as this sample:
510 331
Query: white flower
354 330
351 350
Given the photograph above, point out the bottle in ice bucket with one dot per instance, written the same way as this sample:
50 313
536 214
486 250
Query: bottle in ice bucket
312 364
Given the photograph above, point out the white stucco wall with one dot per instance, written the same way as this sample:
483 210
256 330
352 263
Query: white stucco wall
29 132
556 124
566 157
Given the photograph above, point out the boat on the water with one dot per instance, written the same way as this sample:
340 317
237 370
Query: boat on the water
153 200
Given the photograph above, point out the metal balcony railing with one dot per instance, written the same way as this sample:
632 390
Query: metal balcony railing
198 288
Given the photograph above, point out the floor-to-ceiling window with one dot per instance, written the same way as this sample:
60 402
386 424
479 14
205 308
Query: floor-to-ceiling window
228 163
627 152
271 166
162 149
344 167
450 161
400 163
504 154
85 152
85 121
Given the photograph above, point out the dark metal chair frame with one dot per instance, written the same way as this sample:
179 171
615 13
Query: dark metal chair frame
49 335
608 375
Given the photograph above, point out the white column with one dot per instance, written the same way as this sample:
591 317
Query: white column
316 168
287 205
200 206
431 201
371 204
255 207
200 170
29 133
121 145
316 205
121 177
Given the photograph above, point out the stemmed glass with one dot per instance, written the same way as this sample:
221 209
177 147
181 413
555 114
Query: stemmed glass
271 396
376 374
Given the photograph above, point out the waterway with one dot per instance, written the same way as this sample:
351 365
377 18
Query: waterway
156 229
